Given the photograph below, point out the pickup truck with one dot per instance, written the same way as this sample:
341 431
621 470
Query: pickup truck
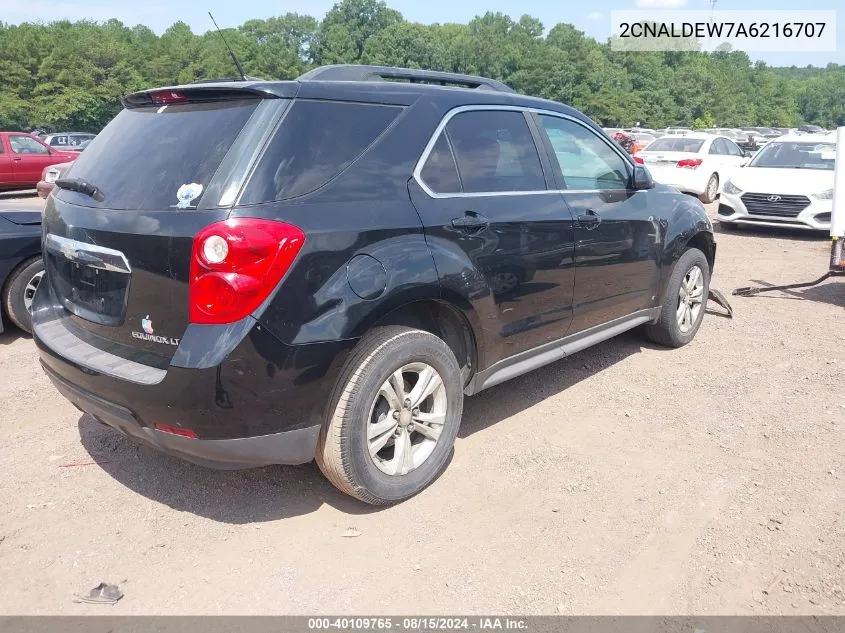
23 158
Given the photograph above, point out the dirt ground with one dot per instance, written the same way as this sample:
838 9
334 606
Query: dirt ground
625 479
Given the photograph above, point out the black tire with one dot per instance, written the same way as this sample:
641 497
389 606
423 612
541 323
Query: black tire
711 192
667 331
15 293
342 451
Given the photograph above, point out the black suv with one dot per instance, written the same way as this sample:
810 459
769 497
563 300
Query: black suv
323 268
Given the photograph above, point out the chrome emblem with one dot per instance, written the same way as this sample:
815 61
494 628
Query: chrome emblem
773 198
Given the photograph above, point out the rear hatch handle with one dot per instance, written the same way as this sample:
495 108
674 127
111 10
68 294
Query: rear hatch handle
89 254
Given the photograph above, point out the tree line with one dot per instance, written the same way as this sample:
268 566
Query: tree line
70 75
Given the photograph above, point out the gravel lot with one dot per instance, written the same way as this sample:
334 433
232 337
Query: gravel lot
625 479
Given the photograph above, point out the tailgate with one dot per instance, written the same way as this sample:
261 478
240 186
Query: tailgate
119 230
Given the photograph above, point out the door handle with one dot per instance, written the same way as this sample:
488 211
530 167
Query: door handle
589 219
470 222
17 158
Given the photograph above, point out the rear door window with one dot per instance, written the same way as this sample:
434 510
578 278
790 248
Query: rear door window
316 141
495 152
719 147
142 158
733 148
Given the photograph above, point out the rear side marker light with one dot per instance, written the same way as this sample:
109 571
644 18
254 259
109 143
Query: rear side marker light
689 163
175 430
236 264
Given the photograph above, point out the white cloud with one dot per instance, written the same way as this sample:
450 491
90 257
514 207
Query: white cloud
660 4
595 15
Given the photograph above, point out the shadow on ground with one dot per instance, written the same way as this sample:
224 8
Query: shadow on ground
11 334
830 292
278 492
509 398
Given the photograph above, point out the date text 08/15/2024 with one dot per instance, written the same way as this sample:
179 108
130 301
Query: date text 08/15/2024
417 624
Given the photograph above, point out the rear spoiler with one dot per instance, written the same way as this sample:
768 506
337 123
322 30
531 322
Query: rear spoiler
207 92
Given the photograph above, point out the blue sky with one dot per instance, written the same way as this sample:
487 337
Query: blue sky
592 17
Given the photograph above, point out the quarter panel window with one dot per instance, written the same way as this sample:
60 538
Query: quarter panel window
585 160
440 172
495 152
317 141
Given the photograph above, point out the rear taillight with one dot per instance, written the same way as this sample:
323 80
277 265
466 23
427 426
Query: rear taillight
166 97
639 160
236 264
689 163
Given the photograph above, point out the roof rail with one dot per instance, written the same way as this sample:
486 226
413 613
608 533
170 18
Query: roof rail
359 72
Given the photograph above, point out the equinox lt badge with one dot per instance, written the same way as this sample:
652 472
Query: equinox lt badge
149 334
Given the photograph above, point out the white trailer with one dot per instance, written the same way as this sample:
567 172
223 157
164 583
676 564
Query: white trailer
837 216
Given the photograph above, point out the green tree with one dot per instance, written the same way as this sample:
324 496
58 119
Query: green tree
71 74
346 28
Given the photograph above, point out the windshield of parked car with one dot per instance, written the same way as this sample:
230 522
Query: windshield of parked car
676 144
796 156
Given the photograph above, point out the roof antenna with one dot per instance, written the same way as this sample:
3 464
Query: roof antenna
234 59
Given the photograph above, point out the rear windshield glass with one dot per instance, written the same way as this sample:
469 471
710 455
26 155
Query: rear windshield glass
676 144
317 140
142 158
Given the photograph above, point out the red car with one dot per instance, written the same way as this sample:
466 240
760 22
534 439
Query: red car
23 157
49 177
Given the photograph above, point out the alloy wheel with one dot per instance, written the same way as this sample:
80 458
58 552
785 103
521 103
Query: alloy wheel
31 287
690 299
406 418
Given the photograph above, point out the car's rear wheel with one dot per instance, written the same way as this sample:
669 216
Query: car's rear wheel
394 416
19 291
711 190
684 302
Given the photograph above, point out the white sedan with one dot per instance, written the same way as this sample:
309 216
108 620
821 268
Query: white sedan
788 183
694 163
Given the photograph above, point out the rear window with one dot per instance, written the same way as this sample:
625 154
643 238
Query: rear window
676 144
142 158
495 152
317 140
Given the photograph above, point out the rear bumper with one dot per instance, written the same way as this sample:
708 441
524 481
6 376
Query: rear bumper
261 403
288 447
685 180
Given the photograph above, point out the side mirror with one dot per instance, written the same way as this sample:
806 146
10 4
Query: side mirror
642 178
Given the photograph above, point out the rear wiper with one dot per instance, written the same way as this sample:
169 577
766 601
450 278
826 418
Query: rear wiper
80 186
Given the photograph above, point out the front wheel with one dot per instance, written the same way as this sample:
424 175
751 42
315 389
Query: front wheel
393 417
684 301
